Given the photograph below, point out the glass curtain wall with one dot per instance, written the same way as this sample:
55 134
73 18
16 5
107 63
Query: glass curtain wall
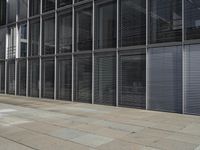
105 79
21 77
2 12
62 3
48 5
22 9
2 43
2 76
12 10
83 28
11 49
34 8
64 78
64 32
23 40
11 77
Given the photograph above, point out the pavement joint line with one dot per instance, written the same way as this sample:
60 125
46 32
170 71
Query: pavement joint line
19 143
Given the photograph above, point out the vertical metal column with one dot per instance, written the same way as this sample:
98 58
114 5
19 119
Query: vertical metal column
73 51
117 58
16 54
183 58
40 53
147 34
93 47
55 58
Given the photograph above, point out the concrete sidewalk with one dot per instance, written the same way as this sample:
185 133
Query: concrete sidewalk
32 124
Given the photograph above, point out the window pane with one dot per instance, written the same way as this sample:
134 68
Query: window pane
33 75
11 77
106 23
23 40
62 3
2 12
191 78
48 78
34 7
2 43
165 79
105 80
21 78
192 19
83 79
48 5
65 33
22 9
64 79
84 29
12 9
133 22
165 21
48 46
11 50
34 37
2 77
132 79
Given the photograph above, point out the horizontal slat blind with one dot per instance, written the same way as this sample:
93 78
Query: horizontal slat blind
164 80
192 79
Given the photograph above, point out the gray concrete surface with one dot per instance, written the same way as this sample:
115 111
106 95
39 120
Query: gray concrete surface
32 124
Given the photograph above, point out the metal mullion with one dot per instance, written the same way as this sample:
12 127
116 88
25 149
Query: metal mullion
73 17
5 76
147 34
183 58
117 58
55 58
93 46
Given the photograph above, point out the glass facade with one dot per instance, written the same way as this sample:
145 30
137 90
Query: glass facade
129 53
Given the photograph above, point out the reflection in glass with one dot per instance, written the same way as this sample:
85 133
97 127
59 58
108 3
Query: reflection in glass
105 80
12 10
133 22
2 43
11 77
62 3
48 5
64 32
84 29
83 79
106 25
11 49
23 40
2 77
34 7
64 79
2 12
22 9
48 36
165 21
132 89
192 19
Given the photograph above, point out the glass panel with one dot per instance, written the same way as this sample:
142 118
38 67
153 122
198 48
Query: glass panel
84 29
83 79
191 78
34 7
48 78
48 5
62 3
33 89
11 77
48 36
133 22
105 80
192 19
11 50
23 40
165 79
64 79
2 43
64 33
12 9
165 21
21 78
34 37
132 91
2 77
106 25
2 12
22 9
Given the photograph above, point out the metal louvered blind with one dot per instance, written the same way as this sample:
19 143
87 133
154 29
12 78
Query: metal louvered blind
192 79
105 80
164 91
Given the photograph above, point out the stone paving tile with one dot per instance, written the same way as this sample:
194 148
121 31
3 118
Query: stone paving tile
10 145
122 145
167 144
193 129
92 140
67 133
